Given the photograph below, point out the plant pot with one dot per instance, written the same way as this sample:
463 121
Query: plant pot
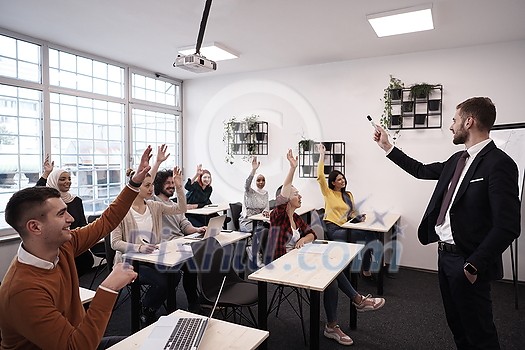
315 157
236 147
434 105
242 136
420 119
407 106
395 94
236 126
337 158
305 145
259 136
395 120
307 169
327 169
327 146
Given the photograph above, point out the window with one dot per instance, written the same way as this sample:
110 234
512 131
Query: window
82 122
87 139
19 59
85 74
20 141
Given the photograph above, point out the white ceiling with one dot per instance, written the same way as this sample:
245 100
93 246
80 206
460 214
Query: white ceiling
268 34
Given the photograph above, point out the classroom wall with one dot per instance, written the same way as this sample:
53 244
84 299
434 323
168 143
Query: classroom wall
330 102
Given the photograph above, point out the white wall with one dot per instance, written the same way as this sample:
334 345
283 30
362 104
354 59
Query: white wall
330 102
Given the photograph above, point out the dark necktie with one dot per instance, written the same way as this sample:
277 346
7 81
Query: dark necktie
453 184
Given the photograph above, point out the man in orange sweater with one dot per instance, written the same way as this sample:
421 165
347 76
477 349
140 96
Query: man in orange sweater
40 306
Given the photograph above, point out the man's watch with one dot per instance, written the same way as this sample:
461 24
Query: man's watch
470 268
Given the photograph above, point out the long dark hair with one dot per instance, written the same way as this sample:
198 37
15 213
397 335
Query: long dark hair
331 179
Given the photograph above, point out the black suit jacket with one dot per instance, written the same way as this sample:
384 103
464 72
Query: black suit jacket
485 214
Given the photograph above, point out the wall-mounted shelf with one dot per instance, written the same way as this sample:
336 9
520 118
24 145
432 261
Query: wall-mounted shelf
309 158
249 138
416 112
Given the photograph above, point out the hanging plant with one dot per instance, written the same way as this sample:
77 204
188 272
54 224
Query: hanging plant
420 90
228 138
386 120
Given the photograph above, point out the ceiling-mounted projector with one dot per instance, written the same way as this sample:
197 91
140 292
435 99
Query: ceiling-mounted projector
195 63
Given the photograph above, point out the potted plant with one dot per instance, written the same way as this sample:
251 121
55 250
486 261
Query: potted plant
421 90
434 105
387 120
395 88
228 138
305 145
420 119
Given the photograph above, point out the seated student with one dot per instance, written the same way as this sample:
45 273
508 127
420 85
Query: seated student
199 193
255 202
140 231
288 231
175 226
40 306
61 180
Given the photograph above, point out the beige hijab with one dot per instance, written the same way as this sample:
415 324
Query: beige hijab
52 181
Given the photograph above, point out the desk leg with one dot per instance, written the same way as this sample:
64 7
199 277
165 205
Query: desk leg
135 302
315 309
353 311
262 310
172 290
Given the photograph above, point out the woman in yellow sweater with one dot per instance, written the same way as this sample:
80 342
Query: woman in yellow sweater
340 208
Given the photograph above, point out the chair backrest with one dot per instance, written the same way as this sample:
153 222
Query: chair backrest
110 253
236 209
212 262
92 218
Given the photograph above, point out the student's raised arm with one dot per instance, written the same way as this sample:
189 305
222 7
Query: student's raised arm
287 184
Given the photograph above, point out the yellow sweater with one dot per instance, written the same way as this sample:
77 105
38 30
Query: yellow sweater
336 209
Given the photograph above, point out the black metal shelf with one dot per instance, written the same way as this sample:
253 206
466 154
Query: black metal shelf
415 112
249 139
309 159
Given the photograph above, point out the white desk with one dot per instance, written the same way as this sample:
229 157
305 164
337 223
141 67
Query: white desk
86 295
312 267
219 335
210 210
380 224
305 209
170 254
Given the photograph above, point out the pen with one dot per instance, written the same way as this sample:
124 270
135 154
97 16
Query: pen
319 242
146 242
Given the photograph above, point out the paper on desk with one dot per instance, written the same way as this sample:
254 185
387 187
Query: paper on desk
313 249
184 248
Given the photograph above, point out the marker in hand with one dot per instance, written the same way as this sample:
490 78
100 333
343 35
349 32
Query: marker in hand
371 121
146 242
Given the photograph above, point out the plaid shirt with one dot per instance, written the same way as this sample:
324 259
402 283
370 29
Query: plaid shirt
281 232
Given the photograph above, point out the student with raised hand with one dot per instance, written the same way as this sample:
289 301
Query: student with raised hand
141 231
255 199
199 193
176 226
40 306
339 208
288 231
61 180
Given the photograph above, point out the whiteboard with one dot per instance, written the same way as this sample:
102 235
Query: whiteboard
511 139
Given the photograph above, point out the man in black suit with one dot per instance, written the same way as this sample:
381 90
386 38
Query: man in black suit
478 222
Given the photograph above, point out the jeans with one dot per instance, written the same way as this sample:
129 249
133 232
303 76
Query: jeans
336 233
158 282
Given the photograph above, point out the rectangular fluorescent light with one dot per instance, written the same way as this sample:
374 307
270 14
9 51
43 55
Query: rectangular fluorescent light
212 51
407 20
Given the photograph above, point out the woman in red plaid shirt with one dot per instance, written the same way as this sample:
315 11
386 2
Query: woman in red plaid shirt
288 231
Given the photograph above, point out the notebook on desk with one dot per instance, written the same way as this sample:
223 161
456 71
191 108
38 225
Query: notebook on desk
179 332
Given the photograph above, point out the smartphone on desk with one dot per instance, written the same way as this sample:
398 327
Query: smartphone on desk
357 219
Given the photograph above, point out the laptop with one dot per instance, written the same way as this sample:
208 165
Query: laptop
214 227
179 333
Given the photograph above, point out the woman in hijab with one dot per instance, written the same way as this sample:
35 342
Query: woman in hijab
60 179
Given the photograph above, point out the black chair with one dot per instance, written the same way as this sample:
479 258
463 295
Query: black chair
236 209
212 262
98 250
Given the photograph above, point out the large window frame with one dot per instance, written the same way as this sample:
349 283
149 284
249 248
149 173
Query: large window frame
105 179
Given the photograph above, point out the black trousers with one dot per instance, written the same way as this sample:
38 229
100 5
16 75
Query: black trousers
468 307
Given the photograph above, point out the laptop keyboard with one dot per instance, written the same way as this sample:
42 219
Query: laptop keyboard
185 333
